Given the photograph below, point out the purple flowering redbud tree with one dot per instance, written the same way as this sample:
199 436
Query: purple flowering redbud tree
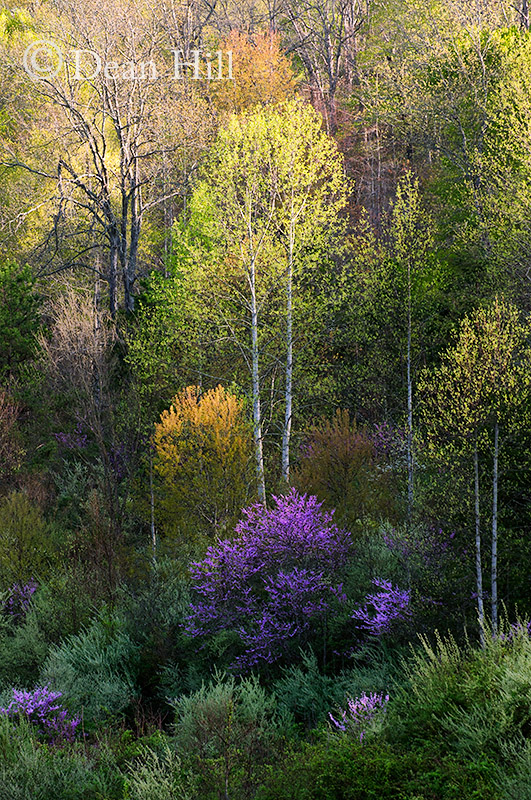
41 708
18 600
274 583
382 608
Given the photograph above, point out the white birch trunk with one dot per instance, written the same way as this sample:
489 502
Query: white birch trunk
257 414
479 573
409 406
286 435
494 565
152 509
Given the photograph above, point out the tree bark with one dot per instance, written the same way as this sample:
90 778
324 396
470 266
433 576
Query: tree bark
479 573
134 236
257 415
494 565
524 15
113 274
289 361
409 406
152 510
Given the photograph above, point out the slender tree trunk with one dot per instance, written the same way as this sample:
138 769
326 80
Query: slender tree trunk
168 219
494 573
96 382
289 363
130 268
331 107
524 15
479 573
409 406
113 274
257 415
152 509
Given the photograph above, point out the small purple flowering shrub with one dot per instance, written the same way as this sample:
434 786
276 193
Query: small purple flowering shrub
17 603
274 582
43 711
382 608
72 441
361 714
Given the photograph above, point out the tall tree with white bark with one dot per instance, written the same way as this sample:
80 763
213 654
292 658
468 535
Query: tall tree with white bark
410 243
474 399
273 186
312 191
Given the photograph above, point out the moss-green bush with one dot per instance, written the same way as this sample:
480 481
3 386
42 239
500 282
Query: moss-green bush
32 771
227 731
57 609
27 542
95 670
23 650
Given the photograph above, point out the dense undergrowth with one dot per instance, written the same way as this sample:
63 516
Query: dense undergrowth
457 725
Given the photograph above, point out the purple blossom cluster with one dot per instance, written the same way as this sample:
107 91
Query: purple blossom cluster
42 710
18 601
119 456
388 442
516 630
306 449
389 604
275 580
427 547
360 714
72 441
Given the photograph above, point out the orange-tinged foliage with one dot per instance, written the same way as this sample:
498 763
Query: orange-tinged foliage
202 460
338 464
261 73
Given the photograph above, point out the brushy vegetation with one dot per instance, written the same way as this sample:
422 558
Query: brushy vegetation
456 724
265 400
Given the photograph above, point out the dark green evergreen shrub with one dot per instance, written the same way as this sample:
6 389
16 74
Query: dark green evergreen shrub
95 670
227 731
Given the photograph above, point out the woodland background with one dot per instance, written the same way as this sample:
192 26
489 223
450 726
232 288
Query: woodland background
265 412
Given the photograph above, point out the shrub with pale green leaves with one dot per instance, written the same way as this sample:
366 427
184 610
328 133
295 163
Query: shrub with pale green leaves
227 731
159 776
472 702
95 670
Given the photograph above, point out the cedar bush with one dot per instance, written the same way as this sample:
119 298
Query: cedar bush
95 670
227 731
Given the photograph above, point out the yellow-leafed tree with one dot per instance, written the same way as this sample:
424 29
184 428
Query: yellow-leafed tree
261 73
202 462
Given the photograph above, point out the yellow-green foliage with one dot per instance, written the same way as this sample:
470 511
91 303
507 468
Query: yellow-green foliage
26 545
202 462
